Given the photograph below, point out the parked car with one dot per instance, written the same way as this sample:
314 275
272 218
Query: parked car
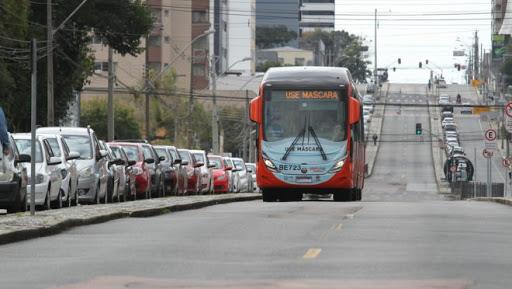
117 172
193 171
168 170
467 109
446 114
447 120
252 167
369 108
119 153
181 170
367 117
92 165
206 171
140 168
13 179
243 178
233 175
441 83
220 174
48 170
368 100
155 170
69 168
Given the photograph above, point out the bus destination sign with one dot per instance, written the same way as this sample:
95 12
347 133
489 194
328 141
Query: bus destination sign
311 94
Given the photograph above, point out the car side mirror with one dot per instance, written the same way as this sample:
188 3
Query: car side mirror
228 168
23 158
177 161
354 110
102 154
73 156
184 162
199 164
255 110
54 161
131 163
149 161
249 170
161 158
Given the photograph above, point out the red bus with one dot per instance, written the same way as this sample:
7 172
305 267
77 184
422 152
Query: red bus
310 134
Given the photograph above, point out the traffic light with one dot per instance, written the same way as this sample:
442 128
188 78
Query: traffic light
426 62
458 67
419 131
420 65
394 69
399 60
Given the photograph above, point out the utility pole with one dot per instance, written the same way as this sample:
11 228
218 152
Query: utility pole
376 76
110 100
215 119
190 107
49 62
33 116
146 75
476 61
246 127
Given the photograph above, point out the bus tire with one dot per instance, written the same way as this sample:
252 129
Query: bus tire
342 196
356 194
269 196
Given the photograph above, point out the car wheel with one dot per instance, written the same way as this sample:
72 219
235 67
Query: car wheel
46 205
97 197
57 204
16 205
342 196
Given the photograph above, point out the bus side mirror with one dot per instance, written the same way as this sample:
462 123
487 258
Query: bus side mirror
256 110
354 113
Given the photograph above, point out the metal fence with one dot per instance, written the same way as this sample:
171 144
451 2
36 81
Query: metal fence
468 190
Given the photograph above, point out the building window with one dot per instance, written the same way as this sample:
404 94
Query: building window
281 60
200 16
166 12
198 70
97 67
299 61
155 40
104 66
96 39
167 39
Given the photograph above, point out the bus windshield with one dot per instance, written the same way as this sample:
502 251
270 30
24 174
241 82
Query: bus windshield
310 114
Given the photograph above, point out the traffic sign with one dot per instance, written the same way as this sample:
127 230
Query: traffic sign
487 153
508 109
490 134
508 124
506 163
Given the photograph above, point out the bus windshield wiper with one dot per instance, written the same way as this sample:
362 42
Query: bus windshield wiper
318 143
290 148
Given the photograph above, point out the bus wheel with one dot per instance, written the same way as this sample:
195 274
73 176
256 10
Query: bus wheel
342 196
356 194
290 197
269 196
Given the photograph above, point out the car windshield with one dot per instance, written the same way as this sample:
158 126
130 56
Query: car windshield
239 165
199 157
24 147
216 162
185 156
161 153
288 113
80 144
132 152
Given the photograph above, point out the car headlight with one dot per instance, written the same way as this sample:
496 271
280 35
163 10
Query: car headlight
270 164
86 173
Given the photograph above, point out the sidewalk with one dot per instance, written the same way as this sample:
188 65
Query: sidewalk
503 201
22 226
376 126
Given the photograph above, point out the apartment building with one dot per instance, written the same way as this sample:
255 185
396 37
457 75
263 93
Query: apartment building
316 14
201 47
279 12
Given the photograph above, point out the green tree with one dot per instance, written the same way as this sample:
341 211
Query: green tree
273 36
263 67
232 120
94 113
506 69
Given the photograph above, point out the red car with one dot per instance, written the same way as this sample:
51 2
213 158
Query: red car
193 168
141 170
220 174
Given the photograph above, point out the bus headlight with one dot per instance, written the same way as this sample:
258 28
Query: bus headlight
270 164
338 166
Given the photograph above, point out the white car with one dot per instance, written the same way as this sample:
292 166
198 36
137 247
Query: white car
447 120
369 108
367 117
252 168
92 165
243 178
206 171
233 175
69 168
48 176
368 99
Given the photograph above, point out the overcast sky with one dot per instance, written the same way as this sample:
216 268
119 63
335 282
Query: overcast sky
417 30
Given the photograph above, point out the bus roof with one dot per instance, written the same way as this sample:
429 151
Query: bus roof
306 77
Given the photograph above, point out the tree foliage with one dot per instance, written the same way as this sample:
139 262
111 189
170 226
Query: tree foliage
120 23
94 113
506 69
263 67
346 49
273 36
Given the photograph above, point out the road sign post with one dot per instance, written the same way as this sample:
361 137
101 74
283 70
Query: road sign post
487 153
490 139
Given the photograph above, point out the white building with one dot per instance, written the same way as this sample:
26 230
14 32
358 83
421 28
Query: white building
316 14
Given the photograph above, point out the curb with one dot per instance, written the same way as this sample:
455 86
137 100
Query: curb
26 234
370 171
503 201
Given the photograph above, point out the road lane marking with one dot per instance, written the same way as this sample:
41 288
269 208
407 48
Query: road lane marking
349 216
312 253
325 234
338 227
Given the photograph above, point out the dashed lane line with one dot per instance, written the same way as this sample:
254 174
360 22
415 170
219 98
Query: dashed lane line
312 253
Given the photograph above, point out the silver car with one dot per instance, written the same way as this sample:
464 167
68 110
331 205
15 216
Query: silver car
243 177
251 167
48 170
92 165
13 179
206 171
233 175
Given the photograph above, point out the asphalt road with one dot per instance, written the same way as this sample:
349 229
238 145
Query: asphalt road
403 235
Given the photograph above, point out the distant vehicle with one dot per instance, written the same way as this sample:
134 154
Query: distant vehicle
370 88
181 170
466 109
450 127
13 179
117 175
69 168
92 165
369 108
220 174
441 83
447 120
446 114
233 175
129 186
367 117
155 170
48 170
368 100
168 170
451 134
140 168
331 158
